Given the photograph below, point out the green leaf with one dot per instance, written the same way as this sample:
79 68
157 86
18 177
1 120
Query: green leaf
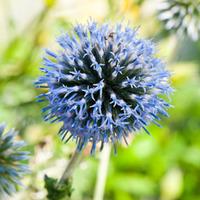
58 191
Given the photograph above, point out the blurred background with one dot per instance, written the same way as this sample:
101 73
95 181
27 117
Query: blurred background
165 166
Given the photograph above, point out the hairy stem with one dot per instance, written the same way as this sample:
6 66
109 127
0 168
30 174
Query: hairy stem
102 173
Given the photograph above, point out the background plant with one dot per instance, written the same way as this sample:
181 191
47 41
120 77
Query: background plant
12 166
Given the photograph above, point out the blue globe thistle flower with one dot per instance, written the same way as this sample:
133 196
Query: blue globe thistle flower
12 167
103 84
182 16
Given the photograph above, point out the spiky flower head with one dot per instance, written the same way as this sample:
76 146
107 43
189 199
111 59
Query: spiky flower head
103 84
182 16
12 167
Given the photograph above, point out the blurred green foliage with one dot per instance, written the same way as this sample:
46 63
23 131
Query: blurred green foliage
164 166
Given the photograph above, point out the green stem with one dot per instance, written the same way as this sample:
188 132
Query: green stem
102 173
71 166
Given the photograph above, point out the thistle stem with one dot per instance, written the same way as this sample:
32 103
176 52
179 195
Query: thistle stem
70 166
102 173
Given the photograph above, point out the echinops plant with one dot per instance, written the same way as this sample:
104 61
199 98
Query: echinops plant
104 83
12 165
181 16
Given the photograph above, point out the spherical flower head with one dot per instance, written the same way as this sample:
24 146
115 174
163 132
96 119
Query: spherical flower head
182 16
12 157
103 84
